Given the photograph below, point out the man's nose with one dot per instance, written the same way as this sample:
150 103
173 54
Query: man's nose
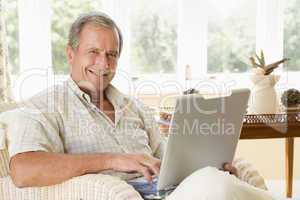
102 60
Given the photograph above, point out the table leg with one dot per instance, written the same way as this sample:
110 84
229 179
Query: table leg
289 164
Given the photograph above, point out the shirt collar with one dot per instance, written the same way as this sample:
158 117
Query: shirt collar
112 93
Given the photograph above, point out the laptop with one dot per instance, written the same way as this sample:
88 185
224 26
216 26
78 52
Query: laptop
204 131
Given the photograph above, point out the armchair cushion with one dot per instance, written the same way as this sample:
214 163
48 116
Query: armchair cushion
87 187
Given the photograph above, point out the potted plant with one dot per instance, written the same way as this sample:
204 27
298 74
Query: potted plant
290 99
264 99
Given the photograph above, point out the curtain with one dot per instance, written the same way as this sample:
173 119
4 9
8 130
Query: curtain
4 69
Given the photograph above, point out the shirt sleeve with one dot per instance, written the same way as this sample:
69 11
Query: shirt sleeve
156 141
32 131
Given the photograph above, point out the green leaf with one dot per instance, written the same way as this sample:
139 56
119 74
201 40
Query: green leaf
259 60
262 56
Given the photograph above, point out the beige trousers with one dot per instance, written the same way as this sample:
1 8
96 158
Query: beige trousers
212 184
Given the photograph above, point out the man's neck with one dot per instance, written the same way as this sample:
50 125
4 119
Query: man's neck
100 100
104 104
98 97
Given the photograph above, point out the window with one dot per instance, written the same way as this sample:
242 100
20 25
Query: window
153 37
12 32
64 13
231 35
291 35
160 39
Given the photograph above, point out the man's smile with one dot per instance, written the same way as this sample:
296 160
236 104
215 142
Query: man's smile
99 73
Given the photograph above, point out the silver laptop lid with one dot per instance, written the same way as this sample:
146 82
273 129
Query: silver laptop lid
204 133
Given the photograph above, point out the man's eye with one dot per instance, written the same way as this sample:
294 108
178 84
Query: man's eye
93 51
112 55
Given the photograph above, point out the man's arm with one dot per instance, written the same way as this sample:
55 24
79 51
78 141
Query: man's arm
43 168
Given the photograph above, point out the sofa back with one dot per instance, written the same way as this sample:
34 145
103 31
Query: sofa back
4 163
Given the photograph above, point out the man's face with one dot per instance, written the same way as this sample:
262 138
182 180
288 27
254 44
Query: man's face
94 61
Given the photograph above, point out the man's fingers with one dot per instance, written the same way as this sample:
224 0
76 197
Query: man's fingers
142 163
152 163
154 167
230 168
145 171
226 166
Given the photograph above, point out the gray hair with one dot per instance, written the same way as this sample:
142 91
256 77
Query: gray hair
97 19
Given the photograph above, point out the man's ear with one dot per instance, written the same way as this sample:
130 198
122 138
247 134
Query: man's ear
70 54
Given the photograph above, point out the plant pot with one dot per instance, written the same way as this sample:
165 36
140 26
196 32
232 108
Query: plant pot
263 99
294 108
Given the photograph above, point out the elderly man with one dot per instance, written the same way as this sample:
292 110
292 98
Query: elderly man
85 125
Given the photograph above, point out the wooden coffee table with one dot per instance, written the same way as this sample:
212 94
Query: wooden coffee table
267 126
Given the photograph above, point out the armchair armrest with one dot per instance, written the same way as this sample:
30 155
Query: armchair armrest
87 187
247 173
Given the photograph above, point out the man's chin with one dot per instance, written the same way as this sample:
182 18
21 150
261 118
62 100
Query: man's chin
92 88
86 85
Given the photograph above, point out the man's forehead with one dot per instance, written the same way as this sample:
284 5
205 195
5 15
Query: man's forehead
87 41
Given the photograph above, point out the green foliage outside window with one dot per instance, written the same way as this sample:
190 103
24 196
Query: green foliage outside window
231 38
153 37
12 35
291 35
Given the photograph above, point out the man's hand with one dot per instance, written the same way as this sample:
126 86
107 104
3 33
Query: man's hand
230 168
143 163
